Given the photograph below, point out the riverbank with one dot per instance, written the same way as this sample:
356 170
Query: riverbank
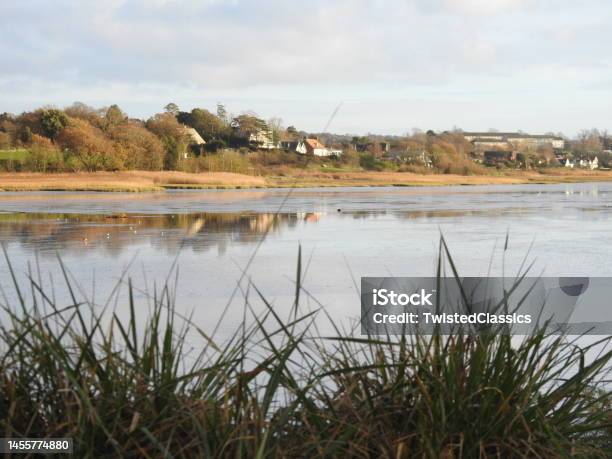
139 181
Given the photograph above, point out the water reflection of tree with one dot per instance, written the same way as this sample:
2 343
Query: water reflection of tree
113 233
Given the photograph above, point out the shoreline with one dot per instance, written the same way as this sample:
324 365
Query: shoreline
147 181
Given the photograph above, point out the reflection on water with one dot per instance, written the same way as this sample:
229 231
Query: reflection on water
48 233
345 234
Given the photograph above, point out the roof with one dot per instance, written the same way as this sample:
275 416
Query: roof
194 136
314 143
511 135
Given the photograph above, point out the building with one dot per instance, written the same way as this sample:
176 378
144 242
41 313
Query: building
195 141
262 139
591 164
289 145
513 140
315 148
193 137
417 157
495 157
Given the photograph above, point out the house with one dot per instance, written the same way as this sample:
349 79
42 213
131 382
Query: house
194 140
495 157
489 144
419 157
315 148
591 164
289 145
376 148
262 139
514 140
193 137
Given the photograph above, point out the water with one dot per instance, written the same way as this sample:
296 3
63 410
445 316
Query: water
345 233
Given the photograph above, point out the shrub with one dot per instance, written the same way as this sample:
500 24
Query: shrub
370 162
43 156
140 148
124 388
88 147
5 141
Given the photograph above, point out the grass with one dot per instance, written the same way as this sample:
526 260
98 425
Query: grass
127 181
125 387
13 155
135 181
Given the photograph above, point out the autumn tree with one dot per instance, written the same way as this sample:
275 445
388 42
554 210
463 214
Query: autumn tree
139 148
84 112
113 118
588 142
88 148
172 134
5 140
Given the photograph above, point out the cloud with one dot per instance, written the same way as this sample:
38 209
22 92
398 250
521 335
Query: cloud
484 7
258 49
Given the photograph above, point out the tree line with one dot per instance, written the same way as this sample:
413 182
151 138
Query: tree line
83 138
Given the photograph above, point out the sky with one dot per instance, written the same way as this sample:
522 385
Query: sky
531 65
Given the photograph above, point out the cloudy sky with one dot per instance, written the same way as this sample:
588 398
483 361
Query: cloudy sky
535 65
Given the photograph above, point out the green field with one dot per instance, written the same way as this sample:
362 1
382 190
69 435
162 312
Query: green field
13 155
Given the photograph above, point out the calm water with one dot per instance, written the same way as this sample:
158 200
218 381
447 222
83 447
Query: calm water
345 233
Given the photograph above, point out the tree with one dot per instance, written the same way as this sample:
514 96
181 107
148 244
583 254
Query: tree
53 122
589 141
5 140
172 134
43 156
208 125
248 123
25 135
114 117
84 112
222 113
244 127
88 148
172 108
276 128
139 148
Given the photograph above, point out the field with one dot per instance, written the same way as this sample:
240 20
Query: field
13 155
277 177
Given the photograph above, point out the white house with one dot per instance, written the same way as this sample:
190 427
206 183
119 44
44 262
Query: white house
316 148
262 139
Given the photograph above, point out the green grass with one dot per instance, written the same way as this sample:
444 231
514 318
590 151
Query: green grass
13 155
123 386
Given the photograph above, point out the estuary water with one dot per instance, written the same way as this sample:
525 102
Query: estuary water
212 237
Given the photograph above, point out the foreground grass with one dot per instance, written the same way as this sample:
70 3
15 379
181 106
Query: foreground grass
125 388
285 177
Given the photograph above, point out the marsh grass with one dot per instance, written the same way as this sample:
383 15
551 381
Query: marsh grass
124 387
